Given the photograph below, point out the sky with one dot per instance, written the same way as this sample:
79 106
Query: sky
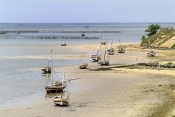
86 11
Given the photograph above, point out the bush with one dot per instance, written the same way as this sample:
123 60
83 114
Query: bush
169 64
173 46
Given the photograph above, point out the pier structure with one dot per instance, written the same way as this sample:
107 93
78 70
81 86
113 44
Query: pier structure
47 37
58 31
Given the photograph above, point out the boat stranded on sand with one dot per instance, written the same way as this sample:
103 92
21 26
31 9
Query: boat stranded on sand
110 50
63 44
95 57
62 100
47 68
83 66
121 49
151 53
57 86
103 60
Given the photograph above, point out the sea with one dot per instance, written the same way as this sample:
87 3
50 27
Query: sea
21 59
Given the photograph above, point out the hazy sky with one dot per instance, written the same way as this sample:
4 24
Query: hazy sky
74 11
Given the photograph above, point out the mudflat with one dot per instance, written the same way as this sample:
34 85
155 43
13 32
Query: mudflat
109 91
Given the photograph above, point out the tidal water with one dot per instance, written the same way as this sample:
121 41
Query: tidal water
21 79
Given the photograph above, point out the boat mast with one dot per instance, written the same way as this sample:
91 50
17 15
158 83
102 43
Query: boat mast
111 44
105 50
100 44
63 78
51 66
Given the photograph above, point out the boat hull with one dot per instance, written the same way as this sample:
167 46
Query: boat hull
95 58
54 89
83 66
104 62
110 53
46 69
61 100
121 51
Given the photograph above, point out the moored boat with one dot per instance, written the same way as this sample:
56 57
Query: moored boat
47 68
62 100
57 86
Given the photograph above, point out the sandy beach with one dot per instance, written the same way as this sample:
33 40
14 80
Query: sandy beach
107 91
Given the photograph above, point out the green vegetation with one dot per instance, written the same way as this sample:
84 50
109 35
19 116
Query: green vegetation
169 63
157 38
173 46
152 29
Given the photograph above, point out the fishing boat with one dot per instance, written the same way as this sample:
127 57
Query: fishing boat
111 50
121 49
104 61
57 86
83 35
62 100
151 53
83 66
103 42
63 44
47 68
95 57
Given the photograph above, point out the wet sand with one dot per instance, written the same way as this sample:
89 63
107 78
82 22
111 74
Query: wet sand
106 91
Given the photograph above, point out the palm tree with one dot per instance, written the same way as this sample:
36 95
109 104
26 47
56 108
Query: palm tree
143 37
152 29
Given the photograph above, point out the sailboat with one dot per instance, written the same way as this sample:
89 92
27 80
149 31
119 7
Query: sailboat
151 53
47 68
104 61
63 44
57 86
96 57
104 41
62 100
121 49
111 50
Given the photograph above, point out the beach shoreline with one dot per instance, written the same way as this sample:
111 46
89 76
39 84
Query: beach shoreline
109 91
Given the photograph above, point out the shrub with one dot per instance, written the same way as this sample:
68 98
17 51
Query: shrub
169 64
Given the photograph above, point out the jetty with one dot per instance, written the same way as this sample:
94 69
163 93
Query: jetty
59 31
47 37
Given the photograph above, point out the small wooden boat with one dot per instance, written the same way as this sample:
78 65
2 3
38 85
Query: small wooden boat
95 57
110 50
83 66
62 100
57 86
83 35
121 49
151 53
47 68
104 61
63 44
103 42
